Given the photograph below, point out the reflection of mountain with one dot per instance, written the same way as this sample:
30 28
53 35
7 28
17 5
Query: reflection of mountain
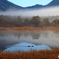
4 34
43 37
5 5
4 44
24 47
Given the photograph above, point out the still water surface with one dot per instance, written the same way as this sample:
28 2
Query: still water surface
12 39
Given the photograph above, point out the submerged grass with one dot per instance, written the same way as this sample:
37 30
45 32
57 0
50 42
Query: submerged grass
33 54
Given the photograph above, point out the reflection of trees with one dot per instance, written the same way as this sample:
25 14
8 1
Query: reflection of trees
45 34
35 35
3 33
18 34
26 34
7 33
56 33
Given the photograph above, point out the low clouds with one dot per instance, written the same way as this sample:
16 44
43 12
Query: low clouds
51 11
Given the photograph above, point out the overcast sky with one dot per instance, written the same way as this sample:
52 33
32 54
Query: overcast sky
26 3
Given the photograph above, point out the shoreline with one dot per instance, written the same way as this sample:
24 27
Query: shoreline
30 28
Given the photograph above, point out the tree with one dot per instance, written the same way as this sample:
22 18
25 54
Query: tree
56 22
2 19
46 22
26 21
36 20
19 20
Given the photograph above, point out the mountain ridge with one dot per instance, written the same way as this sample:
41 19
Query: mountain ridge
53 3
5 5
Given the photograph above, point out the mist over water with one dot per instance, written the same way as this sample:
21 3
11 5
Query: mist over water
49 38
49 11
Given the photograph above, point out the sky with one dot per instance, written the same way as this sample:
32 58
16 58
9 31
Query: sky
26 3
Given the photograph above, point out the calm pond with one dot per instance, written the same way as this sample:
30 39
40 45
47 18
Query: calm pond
26 40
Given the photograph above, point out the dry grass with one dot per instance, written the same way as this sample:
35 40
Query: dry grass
44 54
30 28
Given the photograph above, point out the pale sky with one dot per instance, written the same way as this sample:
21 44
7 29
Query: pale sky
26 3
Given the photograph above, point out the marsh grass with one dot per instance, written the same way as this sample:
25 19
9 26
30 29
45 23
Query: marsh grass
33 54
30 28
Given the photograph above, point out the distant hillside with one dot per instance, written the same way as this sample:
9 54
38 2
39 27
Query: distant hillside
53 3
35 6
5 5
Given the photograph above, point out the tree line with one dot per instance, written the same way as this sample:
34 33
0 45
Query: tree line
35 21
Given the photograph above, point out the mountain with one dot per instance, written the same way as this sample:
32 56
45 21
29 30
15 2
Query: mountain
5 5
35 6
53 3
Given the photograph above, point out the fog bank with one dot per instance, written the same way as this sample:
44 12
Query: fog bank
51 11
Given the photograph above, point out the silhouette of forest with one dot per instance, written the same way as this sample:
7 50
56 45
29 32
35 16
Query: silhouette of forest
35 21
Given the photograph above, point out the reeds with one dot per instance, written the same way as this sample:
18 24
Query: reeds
33 54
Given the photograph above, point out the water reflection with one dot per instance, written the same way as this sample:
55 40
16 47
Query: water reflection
26 47
49 38
35 35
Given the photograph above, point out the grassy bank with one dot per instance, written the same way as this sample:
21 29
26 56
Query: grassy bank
30 28
44 54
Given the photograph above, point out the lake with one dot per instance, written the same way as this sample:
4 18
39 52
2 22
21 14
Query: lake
26 40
